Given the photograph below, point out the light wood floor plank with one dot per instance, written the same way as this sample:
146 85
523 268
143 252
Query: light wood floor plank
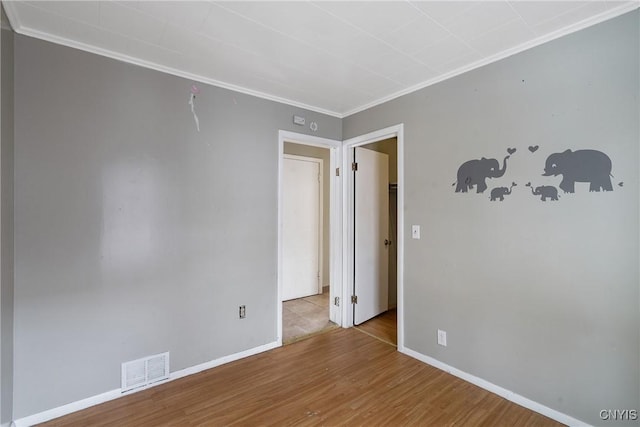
342 377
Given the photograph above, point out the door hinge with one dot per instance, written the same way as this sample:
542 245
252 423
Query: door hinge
336 301
354 166
337 171
354 299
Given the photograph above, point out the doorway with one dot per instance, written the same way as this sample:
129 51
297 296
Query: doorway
308 239
341 220
378 288
376 239
305 241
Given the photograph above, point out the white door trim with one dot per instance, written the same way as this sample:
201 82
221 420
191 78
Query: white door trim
335 222
396 131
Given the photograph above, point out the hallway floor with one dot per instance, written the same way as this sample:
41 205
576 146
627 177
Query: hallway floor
306 316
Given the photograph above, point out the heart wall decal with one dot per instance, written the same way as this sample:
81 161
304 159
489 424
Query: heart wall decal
533 148
511 150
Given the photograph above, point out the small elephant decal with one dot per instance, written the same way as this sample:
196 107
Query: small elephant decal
590 166
545 191
500 192
475 172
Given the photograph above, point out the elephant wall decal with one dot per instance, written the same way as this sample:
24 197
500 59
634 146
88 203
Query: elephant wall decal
545 191
475 172
500 192
590 166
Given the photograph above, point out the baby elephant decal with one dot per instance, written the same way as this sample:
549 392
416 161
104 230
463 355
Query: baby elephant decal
500 192
589 166
544 191
475 172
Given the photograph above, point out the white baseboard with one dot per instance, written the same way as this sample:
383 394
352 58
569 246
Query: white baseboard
115 394
222 360
68 408
500 391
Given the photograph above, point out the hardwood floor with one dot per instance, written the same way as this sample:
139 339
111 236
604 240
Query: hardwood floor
342 377
384 327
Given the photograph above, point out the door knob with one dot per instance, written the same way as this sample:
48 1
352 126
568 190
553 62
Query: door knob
387 242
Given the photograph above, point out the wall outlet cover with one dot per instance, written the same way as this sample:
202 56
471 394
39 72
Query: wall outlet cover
442 337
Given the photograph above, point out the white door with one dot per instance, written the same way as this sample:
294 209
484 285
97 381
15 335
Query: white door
371 258
301 226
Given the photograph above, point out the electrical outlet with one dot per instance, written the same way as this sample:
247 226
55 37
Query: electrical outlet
442 338
243 312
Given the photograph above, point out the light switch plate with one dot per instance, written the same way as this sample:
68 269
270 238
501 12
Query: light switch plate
442 338
415 231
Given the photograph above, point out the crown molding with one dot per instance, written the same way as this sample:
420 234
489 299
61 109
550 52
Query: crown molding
610 14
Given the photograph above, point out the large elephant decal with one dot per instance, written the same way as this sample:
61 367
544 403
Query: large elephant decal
475 172
590 166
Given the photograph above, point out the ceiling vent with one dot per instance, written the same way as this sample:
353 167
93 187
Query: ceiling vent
145 371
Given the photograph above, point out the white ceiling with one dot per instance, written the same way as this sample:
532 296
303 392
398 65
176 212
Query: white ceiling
333 57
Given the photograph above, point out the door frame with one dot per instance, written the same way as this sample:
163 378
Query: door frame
348 231
320 227
335 223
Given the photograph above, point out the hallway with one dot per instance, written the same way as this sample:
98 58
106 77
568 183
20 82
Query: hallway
304 317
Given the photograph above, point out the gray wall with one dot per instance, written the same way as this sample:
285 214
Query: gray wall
134 233
541 298
6 220
324 154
